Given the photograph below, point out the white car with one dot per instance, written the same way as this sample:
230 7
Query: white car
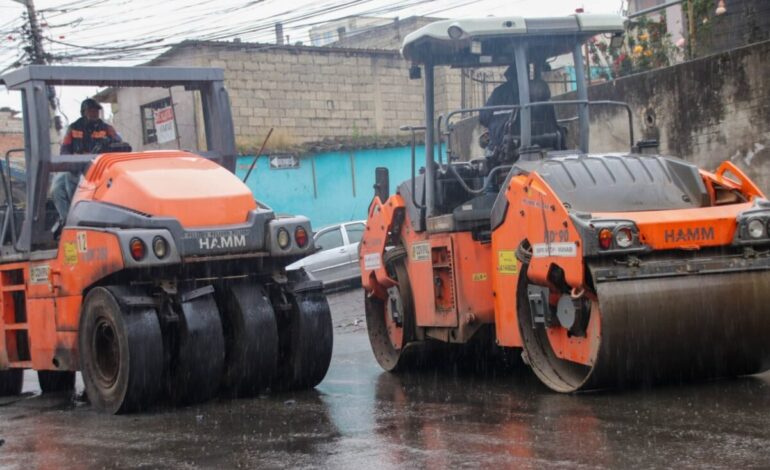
336 260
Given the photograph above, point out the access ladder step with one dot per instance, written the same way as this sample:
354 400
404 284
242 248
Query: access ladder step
15 326
16 288
20 364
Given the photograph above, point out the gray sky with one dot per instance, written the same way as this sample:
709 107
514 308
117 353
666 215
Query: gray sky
141 29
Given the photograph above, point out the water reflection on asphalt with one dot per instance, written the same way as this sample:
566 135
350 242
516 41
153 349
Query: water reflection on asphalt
360 417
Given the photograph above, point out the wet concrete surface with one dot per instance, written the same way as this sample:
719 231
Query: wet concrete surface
361 417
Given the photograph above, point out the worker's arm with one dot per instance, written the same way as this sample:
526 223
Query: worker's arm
113 134
66 143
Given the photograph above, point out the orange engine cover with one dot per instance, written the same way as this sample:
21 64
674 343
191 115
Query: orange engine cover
190 188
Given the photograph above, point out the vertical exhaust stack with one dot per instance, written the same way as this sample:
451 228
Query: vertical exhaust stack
279 34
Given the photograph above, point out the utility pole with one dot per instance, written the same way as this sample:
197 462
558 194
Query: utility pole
36 38
38 56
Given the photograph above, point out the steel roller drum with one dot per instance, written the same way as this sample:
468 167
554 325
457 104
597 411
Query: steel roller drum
667 329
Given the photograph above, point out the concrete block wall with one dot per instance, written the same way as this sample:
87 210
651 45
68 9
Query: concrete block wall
708 110
307 94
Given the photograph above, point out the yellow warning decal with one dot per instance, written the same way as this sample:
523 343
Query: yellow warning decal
507 262
479 276
70 254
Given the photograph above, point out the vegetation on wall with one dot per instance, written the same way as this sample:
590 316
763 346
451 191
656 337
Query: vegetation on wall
647 45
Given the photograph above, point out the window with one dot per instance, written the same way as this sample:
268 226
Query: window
146 112
329 240
355 232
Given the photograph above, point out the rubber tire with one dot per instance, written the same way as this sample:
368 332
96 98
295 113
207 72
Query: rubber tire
306 342
196 372
251 339
11 382
140 354
54 381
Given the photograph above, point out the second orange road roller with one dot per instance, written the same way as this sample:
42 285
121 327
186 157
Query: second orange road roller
603 269
167 279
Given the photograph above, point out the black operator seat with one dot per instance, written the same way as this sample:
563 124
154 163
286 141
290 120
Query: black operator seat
546 132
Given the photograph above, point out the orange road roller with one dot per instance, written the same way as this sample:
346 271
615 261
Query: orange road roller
166 280
603 269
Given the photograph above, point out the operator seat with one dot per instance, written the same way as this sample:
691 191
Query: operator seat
546 131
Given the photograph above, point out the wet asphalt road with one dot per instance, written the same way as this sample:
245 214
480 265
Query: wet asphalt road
360 417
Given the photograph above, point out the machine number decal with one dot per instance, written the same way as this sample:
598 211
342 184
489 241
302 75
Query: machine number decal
564 250
39 274
479 277
82 240
372 261
506 262
558 236
70 254
421 251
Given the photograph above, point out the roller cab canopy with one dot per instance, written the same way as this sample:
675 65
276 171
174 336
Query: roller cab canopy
475 42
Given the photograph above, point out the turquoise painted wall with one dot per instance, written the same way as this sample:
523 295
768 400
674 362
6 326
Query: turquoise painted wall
343 182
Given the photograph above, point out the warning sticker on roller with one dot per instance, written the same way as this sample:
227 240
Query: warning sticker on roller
372 261
39 274
70 254
506 262
421 251
564 250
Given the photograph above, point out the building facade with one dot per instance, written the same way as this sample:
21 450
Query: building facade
11 131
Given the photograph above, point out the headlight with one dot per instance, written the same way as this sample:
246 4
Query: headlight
756 229
624 237
284 239
160 247
455 32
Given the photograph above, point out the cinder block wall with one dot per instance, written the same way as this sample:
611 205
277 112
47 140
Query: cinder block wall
308 94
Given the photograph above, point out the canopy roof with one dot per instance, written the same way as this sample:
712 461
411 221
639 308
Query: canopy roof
490 41
113 76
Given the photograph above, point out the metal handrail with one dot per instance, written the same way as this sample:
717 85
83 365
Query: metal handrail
492 173
414 130
589 103
516 108
9 215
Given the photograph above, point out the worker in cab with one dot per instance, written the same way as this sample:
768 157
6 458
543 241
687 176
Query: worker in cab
506 94
88 135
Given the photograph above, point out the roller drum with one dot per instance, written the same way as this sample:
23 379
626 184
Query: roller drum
659 330
682 328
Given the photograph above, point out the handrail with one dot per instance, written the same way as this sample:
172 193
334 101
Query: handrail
512 108
493 172
438 134
9 215
414 130
449 116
